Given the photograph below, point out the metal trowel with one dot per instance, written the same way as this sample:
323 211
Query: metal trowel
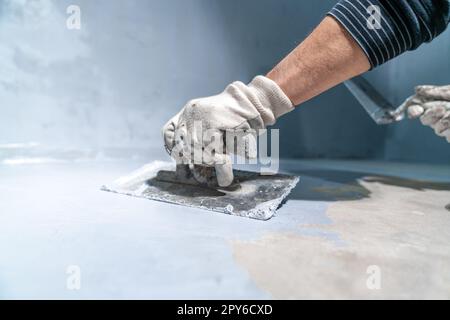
251 195
195 175
378 108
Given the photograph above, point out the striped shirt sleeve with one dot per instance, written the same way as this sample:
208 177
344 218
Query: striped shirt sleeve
385 29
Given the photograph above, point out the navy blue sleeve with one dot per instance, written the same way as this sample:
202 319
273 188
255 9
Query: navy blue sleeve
401 25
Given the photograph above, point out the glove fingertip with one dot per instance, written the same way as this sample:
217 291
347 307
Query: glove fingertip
224 172
415 111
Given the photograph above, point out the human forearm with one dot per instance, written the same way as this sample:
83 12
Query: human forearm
326 58
340 47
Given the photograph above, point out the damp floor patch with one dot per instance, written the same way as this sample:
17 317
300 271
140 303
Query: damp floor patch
258 197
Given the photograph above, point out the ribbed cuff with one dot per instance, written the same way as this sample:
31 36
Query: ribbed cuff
273 101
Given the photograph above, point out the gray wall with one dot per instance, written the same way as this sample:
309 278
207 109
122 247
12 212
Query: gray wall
134 63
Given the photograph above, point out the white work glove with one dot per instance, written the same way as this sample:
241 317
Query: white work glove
432 105
239 108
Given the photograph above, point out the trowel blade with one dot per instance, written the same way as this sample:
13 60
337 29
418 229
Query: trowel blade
258 196
378 108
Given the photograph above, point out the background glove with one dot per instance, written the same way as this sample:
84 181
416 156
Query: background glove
432 105
239 108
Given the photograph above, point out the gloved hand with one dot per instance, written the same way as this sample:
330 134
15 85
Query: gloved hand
432 105
239 108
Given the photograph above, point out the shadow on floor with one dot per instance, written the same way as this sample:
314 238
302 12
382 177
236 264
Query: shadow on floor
333 185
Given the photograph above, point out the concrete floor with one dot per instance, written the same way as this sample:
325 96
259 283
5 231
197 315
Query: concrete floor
345 218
